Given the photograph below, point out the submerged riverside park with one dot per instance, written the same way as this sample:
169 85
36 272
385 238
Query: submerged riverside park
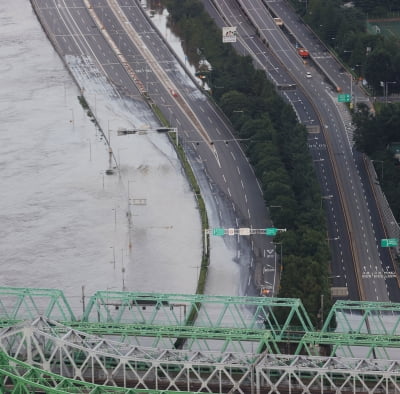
242 344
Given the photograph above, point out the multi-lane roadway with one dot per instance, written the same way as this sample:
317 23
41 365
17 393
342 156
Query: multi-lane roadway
113 32
295 88
117 36
354 224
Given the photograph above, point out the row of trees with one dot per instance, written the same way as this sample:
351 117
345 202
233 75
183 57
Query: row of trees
342 26
376 8
276 145
375 135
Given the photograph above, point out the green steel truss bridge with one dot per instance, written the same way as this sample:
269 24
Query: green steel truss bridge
167 343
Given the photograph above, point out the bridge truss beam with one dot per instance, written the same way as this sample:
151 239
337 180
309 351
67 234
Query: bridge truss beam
50 346
19 377
151 319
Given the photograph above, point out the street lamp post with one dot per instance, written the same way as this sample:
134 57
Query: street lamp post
109 130
122 269
351 82
325 198
386 89
351 89
72 117
119 156
322 311
379 161
129 182
281 253
273 206
113 248
333 239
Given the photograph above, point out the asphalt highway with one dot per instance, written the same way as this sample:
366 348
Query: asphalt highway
122 30
343 273
374 272
117 39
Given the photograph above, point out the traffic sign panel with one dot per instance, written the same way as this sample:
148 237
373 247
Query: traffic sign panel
244 231
344 98
271 231
218 231
387 243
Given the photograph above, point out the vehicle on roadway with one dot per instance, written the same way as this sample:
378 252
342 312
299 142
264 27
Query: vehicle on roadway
308 74
303 53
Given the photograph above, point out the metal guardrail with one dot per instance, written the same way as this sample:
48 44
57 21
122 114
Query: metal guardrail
391 225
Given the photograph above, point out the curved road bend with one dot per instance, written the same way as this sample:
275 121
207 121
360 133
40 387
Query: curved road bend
222 167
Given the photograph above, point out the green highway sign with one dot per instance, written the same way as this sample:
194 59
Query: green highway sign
218 231
344 98
387 243
271 231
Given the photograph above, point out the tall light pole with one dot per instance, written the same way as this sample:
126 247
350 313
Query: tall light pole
351 90
351 82
322 311
281 253
386 89
325 198
274 206
72 117
379 161
333 239
113 248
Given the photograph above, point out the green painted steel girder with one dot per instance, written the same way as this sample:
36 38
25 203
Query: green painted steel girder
364 317
27 303
210 311
78 354
222 338
173 331
21 377
112 310
350 344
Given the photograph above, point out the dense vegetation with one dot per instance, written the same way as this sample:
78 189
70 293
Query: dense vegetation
377 59
376 135
342 25
276 145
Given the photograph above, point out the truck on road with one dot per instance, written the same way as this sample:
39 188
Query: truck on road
303 53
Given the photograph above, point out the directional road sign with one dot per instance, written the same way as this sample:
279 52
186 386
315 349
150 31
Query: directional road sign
271 231
218 231
387 243
344 98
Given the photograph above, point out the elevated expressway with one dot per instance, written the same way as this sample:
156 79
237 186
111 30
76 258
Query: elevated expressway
359 263
118 38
